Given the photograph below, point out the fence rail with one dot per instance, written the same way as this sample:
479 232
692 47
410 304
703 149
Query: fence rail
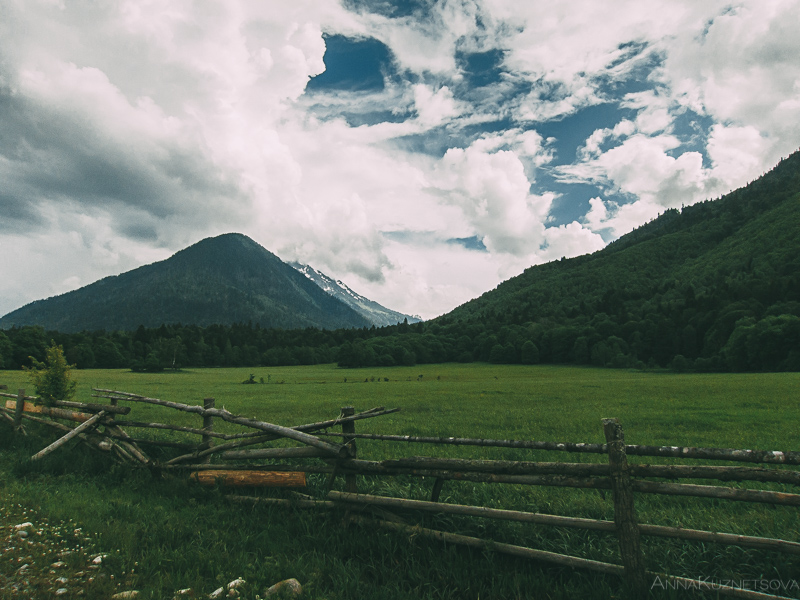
99 427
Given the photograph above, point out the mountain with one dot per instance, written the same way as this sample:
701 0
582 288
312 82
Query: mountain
376 314
713 286
221 280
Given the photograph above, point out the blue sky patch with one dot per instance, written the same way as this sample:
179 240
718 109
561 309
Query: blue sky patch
352 64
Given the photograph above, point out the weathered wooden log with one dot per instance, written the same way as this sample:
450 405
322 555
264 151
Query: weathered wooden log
473 511
714 491
126 442
18 409
92 407
729 539
453 538
301 502
15 396
500 467
145 441
301 452
208 427
365 467
56 413
169 427
624 511
723 473
438 484
745 541
754 456
266 437
303 438
92 440
350 481
729 454
270 467
88 424
250 478
456 441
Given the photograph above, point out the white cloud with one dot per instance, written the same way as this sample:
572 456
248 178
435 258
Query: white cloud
434 108
158 123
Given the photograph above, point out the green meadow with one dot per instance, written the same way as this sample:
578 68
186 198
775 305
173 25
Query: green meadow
167 534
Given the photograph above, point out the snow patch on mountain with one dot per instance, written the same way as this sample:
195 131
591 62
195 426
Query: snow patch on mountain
371 310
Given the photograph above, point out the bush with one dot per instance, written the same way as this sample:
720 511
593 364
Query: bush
52 378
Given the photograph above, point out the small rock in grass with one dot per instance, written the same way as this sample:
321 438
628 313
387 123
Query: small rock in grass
62 580
184 592
290 585
26 525
62 592
127 595
98 560
236 584
58 565
216 593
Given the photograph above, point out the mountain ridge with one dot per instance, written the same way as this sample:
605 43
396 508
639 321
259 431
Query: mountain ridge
219 280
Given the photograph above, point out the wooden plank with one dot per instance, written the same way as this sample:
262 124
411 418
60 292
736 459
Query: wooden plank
86 425
624 510
250 478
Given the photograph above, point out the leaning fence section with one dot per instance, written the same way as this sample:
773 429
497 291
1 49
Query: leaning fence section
236 457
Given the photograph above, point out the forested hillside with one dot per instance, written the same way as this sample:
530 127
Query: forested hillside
713 287
716 285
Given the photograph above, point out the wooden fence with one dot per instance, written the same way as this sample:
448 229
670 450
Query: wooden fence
337 457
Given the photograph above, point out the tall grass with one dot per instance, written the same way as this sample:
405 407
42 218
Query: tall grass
185 536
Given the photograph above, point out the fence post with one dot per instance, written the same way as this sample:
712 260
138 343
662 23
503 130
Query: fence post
208 425
350 484
18 410
624 510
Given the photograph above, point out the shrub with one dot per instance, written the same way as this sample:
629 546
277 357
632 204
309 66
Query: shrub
52 378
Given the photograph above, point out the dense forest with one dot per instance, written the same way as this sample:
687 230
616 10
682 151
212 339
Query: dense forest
712 287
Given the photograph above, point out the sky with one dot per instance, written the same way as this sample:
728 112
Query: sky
420 151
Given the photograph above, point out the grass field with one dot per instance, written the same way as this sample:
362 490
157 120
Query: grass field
185 537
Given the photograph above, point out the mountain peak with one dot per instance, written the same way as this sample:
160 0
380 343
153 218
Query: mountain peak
219 280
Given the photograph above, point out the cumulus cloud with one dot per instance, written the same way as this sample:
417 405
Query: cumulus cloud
154 124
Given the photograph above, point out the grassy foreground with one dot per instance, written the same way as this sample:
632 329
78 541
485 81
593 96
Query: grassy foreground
165 535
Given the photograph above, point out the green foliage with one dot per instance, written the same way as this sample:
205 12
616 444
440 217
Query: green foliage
52 379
